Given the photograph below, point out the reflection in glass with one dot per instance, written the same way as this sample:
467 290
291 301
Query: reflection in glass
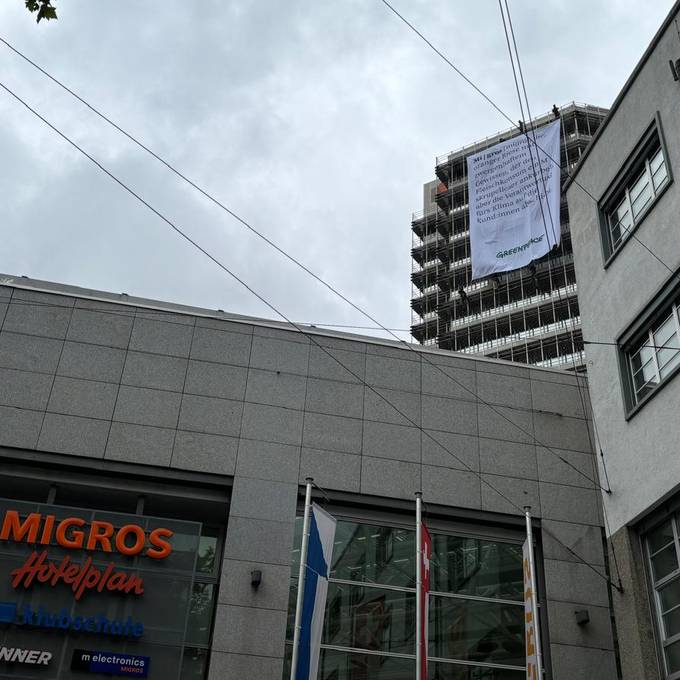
200 614
446 671
194 663
207 551
335 665
476 631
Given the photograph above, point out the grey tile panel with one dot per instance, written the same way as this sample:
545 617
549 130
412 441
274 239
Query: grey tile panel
247 499
246 630
447 381
562 432
502 422
331 469
143 406
455 488
504 390
571 467
91 362
509 495
272 593
581 663
74 435
86 398
337 364
111 329
140 444
204 452
507 368
211 415
396 479
161 337
570 504
259 540
272 423
154 371
392 406
241 666
267 460
211 379
334 397
508 458
279 355
334 433
597 633
37 318
446 449
449 415
575 582
221 346
276 389
382 440
23 389
29 352
568 400
583 539
19 427
396 374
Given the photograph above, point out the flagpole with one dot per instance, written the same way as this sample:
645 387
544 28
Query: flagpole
534 593
301 577
419 584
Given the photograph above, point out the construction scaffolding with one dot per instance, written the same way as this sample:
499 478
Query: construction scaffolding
529 315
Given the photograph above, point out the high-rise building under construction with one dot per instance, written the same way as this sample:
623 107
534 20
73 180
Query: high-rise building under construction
530 315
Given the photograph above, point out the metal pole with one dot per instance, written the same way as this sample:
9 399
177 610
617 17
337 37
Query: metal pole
419 587
301 577
534 592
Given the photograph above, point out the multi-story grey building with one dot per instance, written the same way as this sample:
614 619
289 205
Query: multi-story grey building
625 210
530 315
121 418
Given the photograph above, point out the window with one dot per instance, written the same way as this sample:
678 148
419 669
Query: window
476 625
640 182
663 553
650 352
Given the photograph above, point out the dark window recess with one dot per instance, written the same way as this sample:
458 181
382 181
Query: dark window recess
639 183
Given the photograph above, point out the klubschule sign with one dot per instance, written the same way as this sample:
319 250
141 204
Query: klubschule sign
514 202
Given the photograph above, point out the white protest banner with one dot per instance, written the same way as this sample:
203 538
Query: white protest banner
509 224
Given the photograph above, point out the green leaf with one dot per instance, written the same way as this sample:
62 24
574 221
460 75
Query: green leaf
47 12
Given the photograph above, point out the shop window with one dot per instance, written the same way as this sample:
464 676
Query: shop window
476 624
639 184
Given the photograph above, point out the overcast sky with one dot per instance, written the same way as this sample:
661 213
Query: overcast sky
318 122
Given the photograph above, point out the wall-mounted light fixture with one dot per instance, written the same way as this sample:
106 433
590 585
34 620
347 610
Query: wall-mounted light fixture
255 578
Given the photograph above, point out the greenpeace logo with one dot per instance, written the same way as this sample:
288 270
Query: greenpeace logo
518 249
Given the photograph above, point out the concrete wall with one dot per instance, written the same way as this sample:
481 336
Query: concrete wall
641 454
119 382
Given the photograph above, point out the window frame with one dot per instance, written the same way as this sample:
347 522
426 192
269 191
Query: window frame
637 163
664 302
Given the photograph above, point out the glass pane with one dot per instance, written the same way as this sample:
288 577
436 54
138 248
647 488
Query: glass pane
659 177
673 657
644 197
194 664
620 223
671 622
369 554
476 631
207 551
370 618
660 537
656 162
669 595
639 186
664 562
663 335
446 671
200 614
471 566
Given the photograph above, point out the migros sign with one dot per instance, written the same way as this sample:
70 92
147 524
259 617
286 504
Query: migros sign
76 533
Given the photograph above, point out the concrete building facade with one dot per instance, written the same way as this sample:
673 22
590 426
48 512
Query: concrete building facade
530 315
627 255
134 413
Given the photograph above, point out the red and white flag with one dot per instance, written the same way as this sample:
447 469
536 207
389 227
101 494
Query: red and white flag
426 552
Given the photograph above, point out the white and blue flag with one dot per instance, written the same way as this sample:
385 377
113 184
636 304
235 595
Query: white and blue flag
319 554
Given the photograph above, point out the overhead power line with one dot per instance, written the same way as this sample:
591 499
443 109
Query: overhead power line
301 329
364 313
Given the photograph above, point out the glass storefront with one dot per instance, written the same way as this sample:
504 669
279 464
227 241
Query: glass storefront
476 620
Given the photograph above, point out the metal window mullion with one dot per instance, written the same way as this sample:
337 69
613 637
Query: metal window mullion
654 356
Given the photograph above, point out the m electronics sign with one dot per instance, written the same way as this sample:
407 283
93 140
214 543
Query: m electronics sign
75 581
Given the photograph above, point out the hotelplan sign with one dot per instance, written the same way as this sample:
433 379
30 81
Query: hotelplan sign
75 577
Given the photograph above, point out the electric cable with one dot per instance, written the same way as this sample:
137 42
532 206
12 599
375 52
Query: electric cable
306 269
300 329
